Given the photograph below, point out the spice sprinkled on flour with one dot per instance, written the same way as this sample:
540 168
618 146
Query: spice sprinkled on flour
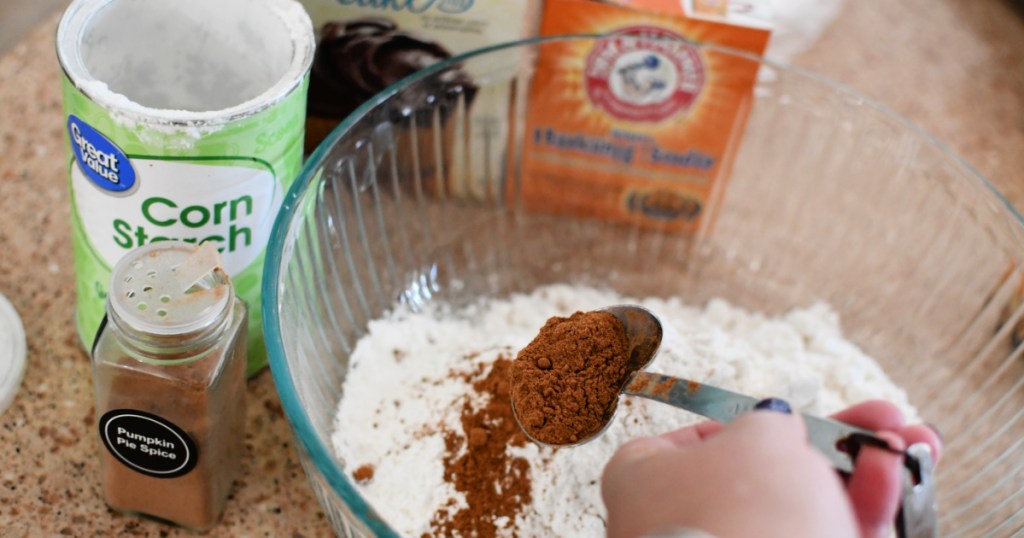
477 462
426 405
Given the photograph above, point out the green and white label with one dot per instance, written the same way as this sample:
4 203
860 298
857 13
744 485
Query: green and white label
179 124
132 185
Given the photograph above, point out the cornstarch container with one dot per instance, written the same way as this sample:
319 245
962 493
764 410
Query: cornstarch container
185 121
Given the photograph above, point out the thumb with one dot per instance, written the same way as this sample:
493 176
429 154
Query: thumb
626 485
620 470
639 449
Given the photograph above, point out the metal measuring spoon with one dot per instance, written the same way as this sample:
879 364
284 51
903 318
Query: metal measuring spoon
644 334
839 442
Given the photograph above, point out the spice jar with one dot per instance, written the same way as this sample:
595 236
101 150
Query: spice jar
169 377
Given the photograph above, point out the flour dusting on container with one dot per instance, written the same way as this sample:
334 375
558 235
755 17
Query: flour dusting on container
184 122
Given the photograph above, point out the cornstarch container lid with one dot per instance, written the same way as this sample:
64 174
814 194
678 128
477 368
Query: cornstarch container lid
12 352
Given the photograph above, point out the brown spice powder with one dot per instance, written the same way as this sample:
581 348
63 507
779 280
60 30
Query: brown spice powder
212 415
364 473
496 484
566 382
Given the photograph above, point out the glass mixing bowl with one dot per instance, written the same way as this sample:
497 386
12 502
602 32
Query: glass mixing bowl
831 198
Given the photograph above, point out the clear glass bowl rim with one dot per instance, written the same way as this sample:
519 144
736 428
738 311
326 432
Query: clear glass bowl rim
270 294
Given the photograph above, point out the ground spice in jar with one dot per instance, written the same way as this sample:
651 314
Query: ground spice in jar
496 484
566 382
169 380
213 420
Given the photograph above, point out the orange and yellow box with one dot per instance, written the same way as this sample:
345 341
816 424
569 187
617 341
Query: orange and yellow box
641 125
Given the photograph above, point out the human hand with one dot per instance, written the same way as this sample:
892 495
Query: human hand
875 486
707 477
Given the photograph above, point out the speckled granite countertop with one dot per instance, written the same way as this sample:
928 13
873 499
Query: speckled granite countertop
956 68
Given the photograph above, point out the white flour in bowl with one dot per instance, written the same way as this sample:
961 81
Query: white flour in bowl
401 397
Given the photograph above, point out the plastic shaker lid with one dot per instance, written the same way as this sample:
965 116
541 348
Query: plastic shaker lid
170 287
12 352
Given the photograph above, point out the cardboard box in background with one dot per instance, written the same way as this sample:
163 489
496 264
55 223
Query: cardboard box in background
641 126
371 45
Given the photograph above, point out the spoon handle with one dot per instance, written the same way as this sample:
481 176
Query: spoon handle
723 405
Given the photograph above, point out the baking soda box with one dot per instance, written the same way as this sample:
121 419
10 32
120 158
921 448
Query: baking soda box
641 125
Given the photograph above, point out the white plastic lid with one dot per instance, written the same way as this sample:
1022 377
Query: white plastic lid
12 352
170 287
